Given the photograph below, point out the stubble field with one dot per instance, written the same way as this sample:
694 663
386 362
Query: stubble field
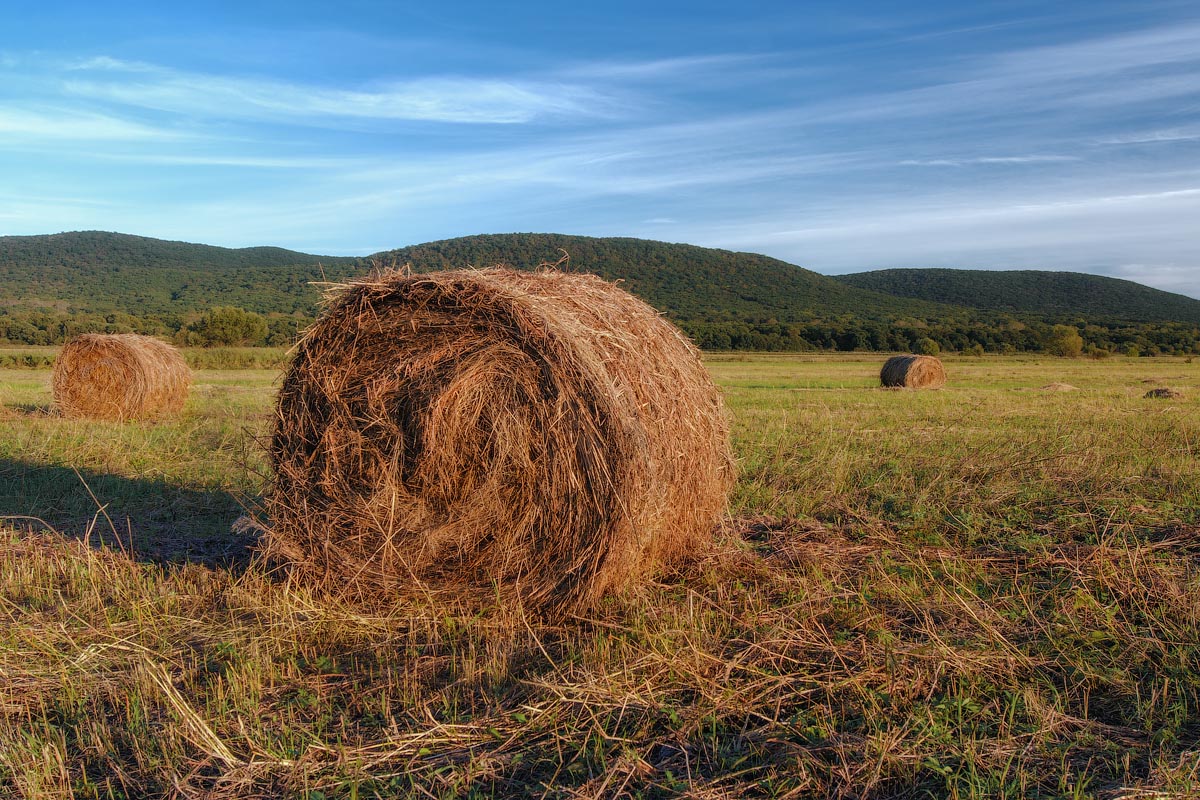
992 590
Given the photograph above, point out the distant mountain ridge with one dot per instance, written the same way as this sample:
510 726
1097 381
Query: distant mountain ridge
1032 292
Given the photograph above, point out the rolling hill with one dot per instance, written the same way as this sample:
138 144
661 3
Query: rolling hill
686 281
97 272
101 272
1065 294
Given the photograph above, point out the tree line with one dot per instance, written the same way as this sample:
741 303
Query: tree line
230 325
1003 335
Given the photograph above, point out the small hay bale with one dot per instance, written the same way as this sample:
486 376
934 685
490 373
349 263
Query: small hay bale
913 372
540 438
1162 393
119 377
1059 387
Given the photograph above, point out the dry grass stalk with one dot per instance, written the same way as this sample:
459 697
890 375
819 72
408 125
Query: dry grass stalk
913 372
120 377
542 437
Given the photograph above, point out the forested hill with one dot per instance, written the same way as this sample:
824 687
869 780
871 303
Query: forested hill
1033 292
54 287
685 281
104 249
96 272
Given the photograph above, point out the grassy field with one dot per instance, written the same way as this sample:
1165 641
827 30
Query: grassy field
992 590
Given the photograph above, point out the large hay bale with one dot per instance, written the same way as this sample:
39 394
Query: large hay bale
120 376
538 437
913 372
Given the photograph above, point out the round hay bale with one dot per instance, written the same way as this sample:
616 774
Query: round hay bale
1162 393
120 376
540 438
913 372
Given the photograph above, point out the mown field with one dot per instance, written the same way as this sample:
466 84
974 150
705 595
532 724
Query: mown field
992 590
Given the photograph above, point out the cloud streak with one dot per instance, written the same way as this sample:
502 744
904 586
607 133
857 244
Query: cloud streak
447 99
984 160
76 125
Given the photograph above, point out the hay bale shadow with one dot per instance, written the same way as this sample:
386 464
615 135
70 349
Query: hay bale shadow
157 521
31 409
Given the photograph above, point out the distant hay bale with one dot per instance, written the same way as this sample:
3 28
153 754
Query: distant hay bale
539 438
120 377
1162 393
1059 387
913 372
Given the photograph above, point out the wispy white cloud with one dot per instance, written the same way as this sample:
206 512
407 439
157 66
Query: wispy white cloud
430 99
110 64
964 162
683 67
646 161
1105 72
249 161
76 125
1166 135
1090 58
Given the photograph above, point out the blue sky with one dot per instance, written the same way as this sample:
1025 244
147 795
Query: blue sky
838 136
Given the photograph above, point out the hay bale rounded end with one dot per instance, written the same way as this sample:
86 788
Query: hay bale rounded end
539 438
912 372
120 377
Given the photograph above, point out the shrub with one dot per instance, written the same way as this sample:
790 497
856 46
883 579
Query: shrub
1065 341
229 325
927 347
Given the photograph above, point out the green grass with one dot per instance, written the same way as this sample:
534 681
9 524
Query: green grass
985 591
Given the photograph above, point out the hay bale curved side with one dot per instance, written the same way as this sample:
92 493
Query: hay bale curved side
121 376
545 436
913 372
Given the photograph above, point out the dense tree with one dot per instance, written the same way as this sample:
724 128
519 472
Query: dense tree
928 347
1064 340
228 325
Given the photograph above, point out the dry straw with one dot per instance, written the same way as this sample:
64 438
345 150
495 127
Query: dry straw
120 377
913 372
538 437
